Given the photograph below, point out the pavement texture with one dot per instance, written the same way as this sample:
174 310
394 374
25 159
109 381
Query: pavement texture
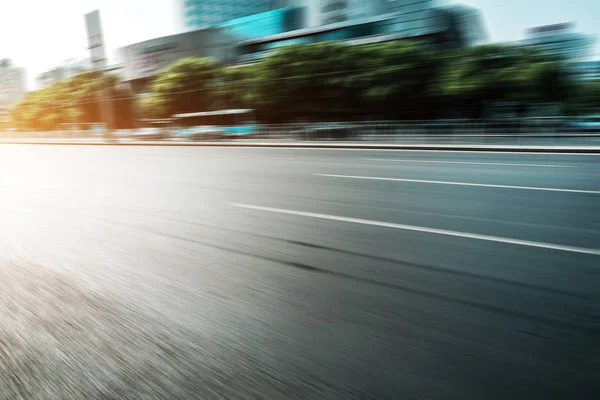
272 273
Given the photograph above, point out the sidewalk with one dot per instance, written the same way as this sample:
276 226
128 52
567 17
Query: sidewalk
590 149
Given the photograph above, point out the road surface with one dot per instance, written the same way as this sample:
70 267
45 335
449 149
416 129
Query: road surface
226 273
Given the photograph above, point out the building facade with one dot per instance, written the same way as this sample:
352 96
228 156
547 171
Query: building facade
325 12
264 24
445 27
63 72
587 70
559 41
142 60
200 14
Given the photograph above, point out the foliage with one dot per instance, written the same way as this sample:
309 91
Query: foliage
186 86
487 75
75 101
328 81
584 98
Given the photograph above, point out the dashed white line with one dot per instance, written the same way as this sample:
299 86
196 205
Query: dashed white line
471 163
414 228
373 178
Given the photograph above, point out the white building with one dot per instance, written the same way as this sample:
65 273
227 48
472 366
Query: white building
12 86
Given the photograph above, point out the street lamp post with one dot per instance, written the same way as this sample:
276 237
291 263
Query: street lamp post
98 58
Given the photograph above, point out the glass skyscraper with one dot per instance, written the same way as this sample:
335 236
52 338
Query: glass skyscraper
267 23
198 14
324 12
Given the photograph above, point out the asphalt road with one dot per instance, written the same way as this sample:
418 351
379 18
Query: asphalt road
226 273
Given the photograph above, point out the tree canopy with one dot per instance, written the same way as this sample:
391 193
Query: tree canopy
74 101
329 81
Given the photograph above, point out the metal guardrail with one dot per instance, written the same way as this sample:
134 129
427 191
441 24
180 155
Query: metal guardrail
428 132
547 130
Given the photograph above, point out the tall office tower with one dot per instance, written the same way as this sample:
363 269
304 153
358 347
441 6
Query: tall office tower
198 14
324 12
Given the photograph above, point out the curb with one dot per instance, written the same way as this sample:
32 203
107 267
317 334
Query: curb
312 145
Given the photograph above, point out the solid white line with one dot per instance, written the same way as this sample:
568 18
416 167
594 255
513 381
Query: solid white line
472 163
461 184
413 228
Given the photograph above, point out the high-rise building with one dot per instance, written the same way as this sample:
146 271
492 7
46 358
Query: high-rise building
12 85
406 6
267 23
199 14
447 27
324 12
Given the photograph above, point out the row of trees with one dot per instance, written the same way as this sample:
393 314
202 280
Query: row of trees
75 101
326 81
398 80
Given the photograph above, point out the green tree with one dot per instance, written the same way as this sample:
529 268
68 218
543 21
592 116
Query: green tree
584 98
188 85
305 82
75 101
399 79
480 77
151 107
236 85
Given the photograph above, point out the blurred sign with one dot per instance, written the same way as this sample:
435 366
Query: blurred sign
95 39
150 62
150 57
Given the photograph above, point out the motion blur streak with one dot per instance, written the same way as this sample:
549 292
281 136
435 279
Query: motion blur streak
125 273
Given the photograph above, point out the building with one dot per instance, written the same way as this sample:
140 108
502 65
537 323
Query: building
443 27
142 60
253 37
63 72
468 22
325 12
264 24
559 41
201 14
587 70
12 89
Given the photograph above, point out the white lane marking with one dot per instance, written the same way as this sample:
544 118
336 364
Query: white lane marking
516 151
472 163
373 178
414 228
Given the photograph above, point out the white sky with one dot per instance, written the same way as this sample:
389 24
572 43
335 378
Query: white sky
41 34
